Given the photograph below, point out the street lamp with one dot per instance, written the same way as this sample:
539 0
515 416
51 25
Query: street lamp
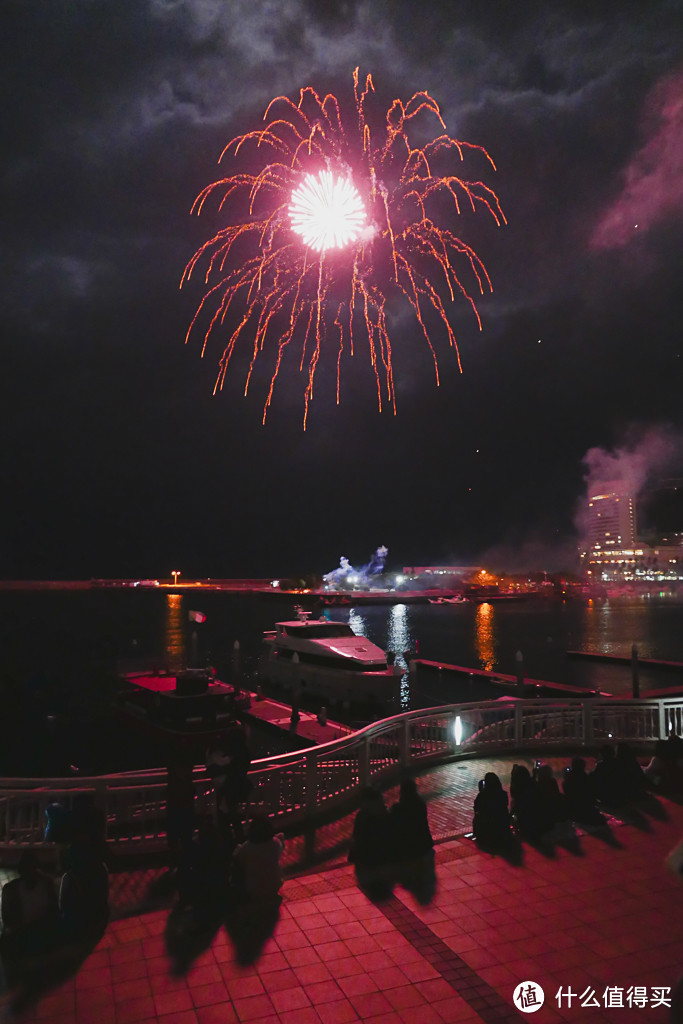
175 573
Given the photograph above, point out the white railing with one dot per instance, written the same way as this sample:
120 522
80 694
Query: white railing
296 785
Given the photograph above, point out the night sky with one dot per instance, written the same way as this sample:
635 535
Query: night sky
117 460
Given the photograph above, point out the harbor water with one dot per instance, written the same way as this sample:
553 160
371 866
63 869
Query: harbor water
61 652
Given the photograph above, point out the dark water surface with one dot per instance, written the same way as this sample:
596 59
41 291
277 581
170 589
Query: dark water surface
60 652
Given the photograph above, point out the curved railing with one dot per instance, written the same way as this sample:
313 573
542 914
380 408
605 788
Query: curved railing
317 779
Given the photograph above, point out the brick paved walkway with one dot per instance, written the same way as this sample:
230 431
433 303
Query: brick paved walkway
599 916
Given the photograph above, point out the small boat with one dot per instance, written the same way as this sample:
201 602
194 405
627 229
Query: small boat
191 703
327 661
455 599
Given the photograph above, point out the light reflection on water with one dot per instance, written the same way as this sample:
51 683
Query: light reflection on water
174 633
399 641
358 622
602 635
483 624
489 636
398 633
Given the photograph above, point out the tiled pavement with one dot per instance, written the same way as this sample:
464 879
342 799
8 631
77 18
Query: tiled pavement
599 917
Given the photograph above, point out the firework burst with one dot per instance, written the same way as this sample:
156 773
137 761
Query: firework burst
333 222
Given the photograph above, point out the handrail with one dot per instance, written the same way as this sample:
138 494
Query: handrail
351 739
293 785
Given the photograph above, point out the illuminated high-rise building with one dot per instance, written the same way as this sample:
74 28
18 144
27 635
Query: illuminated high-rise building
611 518
612 552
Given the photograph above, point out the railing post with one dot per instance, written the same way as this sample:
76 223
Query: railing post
311 781
404 744
587 715
662 720
101 795
364 764
519 724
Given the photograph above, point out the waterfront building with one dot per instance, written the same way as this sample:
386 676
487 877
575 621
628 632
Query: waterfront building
442 577
611 517
611 551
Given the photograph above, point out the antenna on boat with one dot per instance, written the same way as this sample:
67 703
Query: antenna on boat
301 613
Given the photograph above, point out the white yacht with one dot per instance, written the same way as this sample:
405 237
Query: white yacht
328 661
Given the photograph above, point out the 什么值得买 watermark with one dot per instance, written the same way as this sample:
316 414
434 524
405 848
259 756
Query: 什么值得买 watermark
529 996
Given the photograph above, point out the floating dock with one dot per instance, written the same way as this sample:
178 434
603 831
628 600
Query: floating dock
623 659
275 716
479 684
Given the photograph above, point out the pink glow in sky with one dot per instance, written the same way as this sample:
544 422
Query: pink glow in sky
652 186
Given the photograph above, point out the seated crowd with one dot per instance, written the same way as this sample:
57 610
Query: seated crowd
398 837
39 917
536 803
214 879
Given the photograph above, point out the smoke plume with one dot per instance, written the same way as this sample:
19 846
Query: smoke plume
346 574
644 457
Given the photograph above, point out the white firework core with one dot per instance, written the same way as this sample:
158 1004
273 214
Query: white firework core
327 212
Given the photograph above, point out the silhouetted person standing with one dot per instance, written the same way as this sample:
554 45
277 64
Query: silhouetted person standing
180 815
229 768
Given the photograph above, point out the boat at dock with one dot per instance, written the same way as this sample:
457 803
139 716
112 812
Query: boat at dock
192 703
316 658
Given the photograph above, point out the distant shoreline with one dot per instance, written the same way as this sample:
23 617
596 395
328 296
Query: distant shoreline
239 586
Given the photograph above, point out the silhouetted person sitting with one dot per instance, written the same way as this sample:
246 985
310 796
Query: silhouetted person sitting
491 825
30 916
84 895
674 760
675 746
607 778
629 773
656 770
550 803
256 863
524 802
665 770
580 795
410 832
371 850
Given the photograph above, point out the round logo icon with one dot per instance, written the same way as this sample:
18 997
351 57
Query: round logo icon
528 996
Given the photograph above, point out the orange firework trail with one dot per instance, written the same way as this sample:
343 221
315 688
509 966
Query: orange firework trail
339 219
